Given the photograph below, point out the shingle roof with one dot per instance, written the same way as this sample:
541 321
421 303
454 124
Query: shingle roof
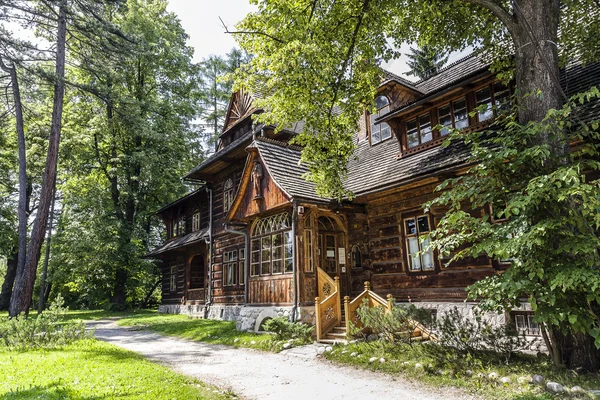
282 161
377 167
452 73
183 241
390 76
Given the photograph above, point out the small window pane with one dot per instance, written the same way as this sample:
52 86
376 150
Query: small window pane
381 101
425 128
484 98
461 118
423 224
413 256
426 255
386 132
412 134
411 228
288 259
501 97
445 117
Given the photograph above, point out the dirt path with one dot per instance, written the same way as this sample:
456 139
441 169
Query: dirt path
257 375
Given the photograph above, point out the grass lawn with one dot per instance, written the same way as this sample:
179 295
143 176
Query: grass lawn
91 369
401 359
204 330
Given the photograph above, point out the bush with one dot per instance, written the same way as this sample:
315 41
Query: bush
464 339
47 330
285 330
395 326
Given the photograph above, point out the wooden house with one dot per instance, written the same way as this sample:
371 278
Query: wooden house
255 241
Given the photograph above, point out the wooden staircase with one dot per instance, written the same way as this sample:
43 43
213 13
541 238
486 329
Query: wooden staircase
333 316
338 334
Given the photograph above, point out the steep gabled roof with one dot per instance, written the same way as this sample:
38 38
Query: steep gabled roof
282 161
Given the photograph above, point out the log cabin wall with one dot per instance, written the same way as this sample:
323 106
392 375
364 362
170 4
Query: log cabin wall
225 242
386 263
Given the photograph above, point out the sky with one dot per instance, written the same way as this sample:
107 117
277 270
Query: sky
200 19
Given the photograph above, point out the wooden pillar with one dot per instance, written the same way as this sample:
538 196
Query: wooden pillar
347 312
318 318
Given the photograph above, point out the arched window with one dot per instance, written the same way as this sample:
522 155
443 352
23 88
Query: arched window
381 131
271 245
227 194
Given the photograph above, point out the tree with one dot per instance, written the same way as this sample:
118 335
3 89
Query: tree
134 111
216 89
425 61
318 63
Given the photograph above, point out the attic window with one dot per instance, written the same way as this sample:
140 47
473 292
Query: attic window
227 194
381 131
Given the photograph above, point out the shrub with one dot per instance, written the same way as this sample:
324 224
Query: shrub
464 339
47 330
285 330
395 326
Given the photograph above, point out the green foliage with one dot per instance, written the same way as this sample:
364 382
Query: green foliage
425 62
91 369
394 326
285 330
462 337
318 62
548 205
47 330
128 139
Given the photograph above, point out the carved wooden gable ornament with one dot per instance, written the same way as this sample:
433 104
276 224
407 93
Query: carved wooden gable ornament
258 190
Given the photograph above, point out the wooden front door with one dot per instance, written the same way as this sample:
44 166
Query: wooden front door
332 252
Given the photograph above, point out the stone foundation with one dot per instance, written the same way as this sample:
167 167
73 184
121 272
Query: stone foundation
466 309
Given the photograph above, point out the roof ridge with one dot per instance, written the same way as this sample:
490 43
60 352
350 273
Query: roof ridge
279 143
447 67
398 77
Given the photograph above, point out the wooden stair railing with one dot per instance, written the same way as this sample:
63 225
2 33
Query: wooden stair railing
328 312
374 300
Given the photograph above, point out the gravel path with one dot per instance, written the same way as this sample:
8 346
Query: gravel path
258 375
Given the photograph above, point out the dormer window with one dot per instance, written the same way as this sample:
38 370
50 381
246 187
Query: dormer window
381 131
227 194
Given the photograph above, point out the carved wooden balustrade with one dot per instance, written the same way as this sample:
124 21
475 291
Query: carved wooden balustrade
328 306
374 300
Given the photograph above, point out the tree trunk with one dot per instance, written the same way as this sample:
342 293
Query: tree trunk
535 34
9 280
42 300
23 290
7 288
537 73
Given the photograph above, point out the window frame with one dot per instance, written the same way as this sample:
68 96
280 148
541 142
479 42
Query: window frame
262 251
469 97
228 195
381 125
406 245
230 266
196 221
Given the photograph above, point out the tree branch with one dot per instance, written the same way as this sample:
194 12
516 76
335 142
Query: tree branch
496 8
249 32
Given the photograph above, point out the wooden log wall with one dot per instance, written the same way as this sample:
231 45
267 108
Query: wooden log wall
386 263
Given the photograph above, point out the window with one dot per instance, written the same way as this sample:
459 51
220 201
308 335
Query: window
525 322
356 257
483 98
227 195
242 265
381 131
416 231
453 115
418 131
196 221
173 280
271 246
230 267
178 226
